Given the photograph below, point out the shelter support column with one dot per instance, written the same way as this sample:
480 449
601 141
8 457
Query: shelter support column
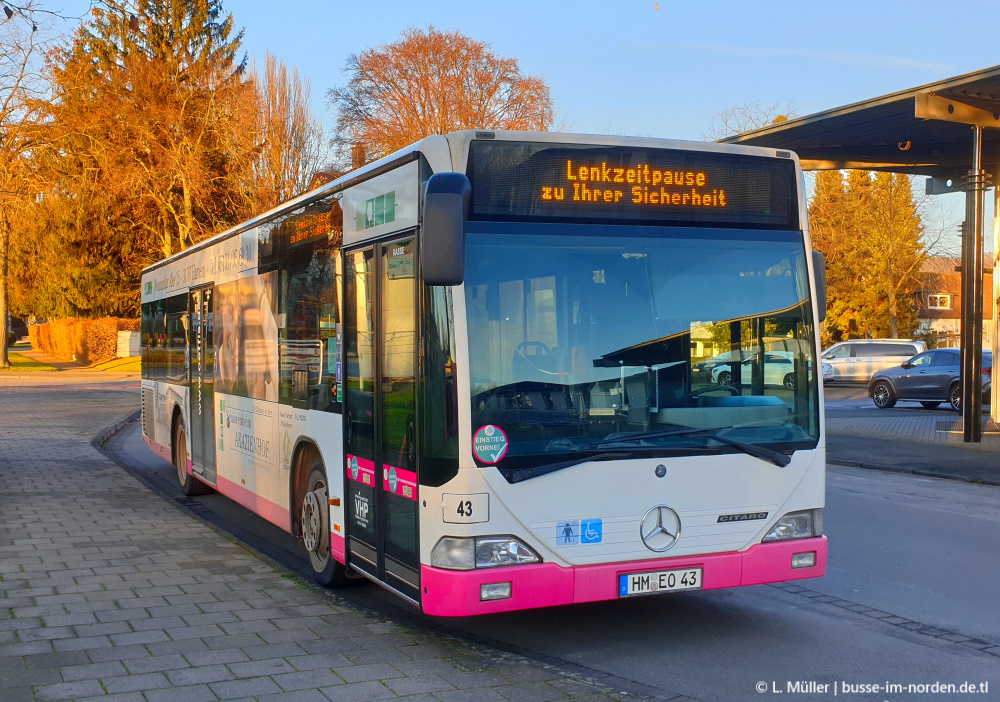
972 294
995 292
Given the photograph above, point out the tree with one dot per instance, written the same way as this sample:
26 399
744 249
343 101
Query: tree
432 82
152 135
746 117
155 90
21 105
869 228
291 148
892 239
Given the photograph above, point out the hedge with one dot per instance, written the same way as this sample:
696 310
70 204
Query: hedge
86 340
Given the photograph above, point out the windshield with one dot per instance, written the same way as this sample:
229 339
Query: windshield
583 333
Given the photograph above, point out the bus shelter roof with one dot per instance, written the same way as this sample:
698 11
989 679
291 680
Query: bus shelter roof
922 131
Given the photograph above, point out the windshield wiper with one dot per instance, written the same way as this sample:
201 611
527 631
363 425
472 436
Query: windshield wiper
516 476
765 454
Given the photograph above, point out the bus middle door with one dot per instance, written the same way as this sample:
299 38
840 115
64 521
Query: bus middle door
202 375
380 323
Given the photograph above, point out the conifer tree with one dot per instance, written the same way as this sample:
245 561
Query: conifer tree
869 229
151 102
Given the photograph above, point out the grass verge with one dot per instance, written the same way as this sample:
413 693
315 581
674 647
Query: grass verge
23 364
121 365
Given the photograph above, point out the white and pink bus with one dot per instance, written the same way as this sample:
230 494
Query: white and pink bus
479 371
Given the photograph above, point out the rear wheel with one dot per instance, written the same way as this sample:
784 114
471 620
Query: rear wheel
955 397
190 485
930 405
327 570
883 395
789 381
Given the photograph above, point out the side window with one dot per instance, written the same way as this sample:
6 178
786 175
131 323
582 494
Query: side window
177 324
843 351
148 314
439 391
946 358
924 359
310 328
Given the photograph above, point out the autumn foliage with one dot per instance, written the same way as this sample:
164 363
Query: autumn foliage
87 340
869 228
433 82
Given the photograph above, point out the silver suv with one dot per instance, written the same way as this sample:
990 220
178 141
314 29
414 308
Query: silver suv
859 359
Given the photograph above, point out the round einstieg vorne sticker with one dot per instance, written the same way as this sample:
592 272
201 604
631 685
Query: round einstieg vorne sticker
490 443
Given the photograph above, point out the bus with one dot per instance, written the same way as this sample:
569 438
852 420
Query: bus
467 371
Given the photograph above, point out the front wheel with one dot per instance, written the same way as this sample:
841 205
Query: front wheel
327 570
883 395
725 378
955 397
789 381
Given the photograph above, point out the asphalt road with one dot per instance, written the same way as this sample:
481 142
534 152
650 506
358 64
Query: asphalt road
923 550
851 400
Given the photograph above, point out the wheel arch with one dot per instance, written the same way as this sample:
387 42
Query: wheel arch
306 448
176 417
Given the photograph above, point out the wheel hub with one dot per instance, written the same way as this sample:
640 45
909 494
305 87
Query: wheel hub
312 519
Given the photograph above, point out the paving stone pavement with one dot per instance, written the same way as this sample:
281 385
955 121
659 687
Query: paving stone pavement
108 592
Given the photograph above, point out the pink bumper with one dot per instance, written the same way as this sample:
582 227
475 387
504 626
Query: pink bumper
450 593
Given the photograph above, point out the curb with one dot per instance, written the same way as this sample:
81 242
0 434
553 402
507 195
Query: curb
913 471
109 431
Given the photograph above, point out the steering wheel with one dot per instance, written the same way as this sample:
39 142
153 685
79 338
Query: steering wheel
731 389
527 344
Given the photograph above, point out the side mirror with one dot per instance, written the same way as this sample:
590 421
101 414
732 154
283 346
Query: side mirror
446 209
819 267
906 364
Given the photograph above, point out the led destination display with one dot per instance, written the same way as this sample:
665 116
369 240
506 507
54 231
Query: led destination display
522 180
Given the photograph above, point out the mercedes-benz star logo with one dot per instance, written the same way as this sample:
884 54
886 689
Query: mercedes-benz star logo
660 528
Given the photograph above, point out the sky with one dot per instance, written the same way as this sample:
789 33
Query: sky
653 69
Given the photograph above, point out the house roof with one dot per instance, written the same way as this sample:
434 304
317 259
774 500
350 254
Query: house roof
942 265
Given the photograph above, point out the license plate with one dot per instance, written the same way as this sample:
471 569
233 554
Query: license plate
630 584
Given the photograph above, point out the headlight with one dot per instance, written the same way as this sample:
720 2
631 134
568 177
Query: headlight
797 525
483 552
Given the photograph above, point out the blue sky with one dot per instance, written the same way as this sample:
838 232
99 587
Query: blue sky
632 68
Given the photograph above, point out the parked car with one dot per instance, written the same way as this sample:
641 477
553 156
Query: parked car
929 378
778 370
827 372
704 370
860 359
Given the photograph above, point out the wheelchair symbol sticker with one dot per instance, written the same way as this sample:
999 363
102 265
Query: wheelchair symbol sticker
591 531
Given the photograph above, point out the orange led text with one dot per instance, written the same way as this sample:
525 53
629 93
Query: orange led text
646 185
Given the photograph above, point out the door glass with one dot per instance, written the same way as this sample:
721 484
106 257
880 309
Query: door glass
202 384
399 467
360 397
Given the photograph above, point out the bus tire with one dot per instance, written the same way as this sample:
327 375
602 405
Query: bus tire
190 485
327 570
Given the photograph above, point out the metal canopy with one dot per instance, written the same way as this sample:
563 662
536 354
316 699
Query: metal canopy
885 133
947 130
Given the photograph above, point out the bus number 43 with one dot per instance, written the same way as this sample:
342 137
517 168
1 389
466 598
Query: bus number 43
465 508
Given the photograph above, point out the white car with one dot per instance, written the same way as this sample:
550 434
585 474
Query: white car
778 370
828 372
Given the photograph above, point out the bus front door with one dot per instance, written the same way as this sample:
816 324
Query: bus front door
202 375
380 323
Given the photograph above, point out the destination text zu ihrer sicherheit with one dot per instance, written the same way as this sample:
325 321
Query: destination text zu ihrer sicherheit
649 186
